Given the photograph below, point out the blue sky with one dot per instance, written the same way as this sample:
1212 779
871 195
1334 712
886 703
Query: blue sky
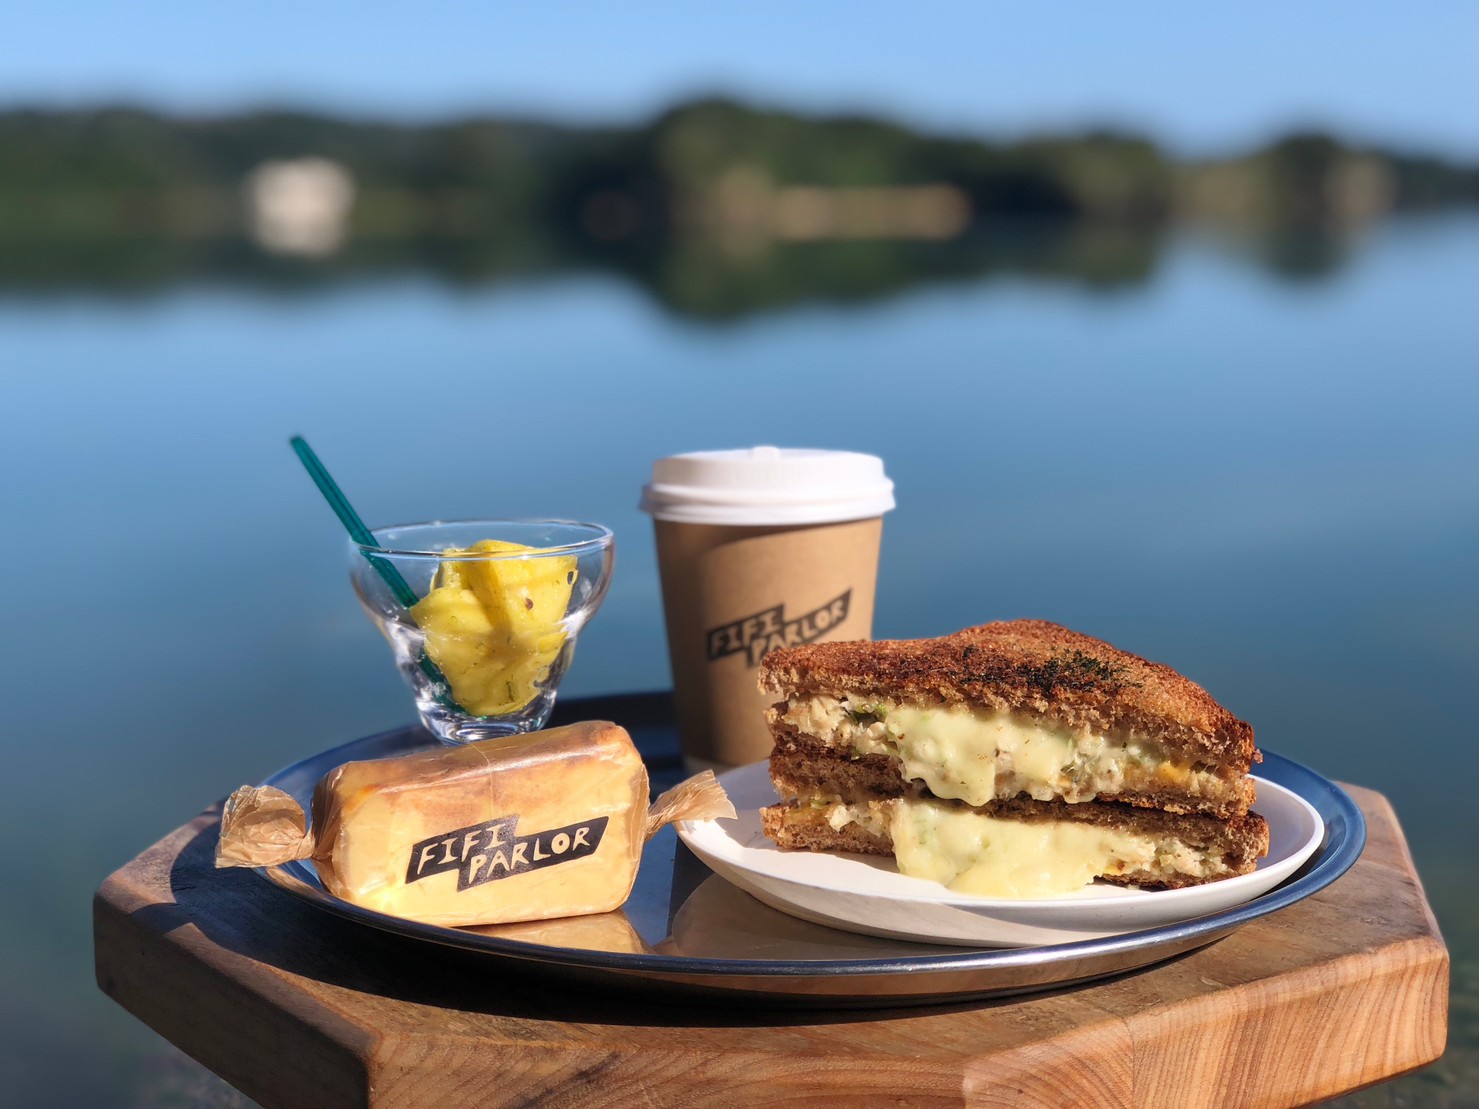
1201 78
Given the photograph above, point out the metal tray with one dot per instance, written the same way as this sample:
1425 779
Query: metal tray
685 933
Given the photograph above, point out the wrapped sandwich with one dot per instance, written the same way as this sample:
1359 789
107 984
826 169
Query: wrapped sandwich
524 827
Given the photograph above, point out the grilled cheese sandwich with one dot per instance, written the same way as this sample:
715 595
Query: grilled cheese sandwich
1015 759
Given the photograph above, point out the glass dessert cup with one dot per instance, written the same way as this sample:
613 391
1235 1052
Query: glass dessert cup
499 605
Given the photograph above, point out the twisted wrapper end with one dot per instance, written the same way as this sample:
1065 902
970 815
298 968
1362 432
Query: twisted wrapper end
262 826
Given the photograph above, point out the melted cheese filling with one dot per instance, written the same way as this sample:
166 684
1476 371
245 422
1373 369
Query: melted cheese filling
970 852
963 754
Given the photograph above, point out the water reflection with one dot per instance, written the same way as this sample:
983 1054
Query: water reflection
714 278
1276 492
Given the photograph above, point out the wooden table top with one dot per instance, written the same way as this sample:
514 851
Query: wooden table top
296 1007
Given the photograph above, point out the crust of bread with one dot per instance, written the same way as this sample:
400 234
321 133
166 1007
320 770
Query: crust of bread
1242 842
803 766
1030 667
794 829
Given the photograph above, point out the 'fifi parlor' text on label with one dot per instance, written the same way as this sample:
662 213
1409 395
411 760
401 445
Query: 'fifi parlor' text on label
486 852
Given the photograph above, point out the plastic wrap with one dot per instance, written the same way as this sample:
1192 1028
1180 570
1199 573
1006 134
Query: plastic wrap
526 827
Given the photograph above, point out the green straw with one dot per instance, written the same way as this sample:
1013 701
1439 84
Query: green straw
363 536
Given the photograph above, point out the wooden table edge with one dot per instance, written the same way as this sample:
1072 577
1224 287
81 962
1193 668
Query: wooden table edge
352 1058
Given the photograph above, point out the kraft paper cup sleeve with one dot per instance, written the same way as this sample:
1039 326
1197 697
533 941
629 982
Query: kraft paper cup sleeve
262 826
699 798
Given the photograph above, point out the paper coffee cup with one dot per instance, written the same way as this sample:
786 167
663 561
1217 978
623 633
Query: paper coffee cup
758 549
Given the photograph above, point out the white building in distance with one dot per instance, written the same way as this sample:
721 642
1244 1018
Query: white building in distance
300 206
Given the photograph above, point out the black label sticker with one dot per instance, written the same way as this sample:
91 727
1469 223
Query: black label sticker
756 636
489 851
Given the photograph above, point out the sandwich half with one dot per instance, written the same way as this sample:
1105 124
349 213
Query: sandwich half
965 755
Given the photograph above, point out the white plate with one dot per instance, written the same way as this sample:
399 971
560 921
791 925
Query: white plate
867 894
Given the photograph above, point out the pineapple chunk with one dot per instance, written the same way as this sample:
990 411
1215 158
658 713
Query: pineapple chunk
457 629
493 626
526 595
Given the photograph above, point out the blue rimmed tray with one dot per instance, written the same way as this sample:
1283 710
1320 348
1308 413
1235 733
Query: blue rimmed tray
686 932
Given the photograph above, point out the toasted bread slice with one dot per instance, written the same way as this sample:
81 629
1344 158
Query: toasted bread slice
803 764
1183 850
1025 669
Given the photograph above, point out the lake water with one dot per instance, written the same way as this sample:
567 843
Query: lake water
1265 477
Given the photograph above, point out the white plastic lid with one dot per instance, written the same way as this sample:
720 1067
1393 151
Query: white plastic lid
767 485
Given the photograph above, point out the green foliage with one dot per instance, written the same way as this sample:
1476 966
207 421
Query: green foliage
690 204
